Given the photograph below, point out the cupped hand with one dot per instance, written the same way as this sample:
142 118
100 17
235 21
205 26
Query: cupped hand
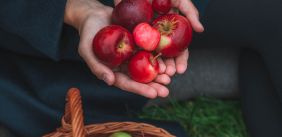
180 63
88 17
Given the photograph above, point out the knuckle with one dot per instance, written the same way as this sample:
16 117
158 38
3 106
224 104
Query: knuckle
173 70
122 85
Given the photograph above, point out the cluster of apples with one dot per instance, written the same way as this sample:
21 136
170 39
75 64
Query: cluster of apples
136 36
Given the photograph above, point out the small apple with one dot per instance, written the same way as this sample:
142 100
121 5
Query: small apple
113 45
161 6
120 134
146 36
129 13
143 67
176 34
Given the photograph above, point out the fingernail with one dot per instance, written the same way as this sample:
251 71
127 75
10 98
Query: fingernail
106 79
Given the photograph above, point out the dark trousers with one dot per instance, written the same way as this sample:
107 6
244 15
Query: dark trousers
254 26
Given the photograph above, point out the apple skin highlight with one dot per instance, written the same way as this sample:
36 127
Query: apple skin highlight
146 37
113 45
143 67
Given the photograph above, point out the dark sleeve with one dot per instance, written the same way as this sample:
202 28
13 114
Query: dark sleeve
108 2
38 22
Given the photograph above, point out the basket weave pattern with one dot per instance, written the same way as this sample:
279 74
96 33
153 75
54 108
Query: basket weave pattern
73 125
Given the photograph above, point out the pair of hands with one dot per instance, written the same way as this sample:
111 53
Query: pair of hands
89 16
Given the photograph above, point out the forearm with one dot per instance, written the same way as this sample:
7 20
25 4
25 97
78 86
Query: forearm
78 11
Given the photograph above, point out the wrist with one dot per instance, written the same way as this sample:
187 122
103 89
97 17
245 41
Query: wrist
73 14
77 11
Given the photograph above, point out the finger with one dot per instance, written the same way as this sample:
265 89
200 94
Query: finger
125 83
191 12
162 91
117 2
163 79
170 67
162 66
96 67
174 10
182 61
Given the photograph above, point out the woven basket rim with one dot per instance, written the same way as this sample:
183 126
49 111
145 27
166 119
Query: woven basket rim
73 125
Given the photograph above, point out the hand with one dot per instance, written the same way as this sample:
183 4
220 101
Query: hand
88 17
187 8
180 63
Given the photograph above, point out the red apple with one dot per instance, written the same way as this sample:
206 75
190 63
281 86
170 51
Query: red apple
129 13
176 34
143 67
161 6
146 36
113 45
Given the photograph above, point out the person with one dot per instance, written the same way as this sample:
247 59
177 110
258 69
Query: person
46 48
255 28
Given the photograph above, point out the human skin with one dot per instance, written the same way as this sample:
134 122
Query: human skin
89 16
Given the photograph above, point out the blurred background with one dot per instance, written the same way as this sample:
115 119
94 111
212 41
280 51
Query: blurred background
207 96
205 100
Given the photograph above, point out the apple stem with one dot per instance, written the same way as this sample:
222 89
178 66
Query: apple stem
158 55
153 60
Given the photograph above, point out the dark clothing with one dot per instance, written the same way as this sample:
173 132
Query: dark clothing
39 62
261 102
255 27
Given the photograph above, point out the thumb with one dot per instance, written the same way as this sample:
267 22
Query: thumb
97 68
85 51
117 2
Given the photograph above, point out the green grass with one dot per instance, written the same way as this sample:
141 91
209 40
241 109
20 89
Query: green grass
202 117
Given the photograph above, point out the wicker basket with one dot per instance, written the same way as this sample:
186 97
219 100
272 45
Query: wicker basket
73 125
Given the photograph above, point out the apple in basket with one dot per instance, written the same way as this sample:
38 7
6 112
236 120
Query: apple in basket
120 134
